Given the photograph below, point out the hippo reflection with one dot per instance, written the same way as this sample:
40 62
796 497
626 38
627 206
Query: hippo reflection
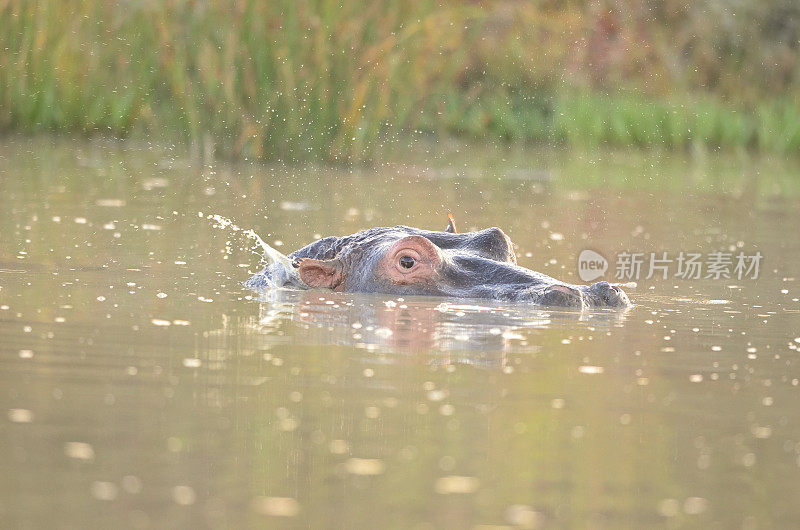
404 261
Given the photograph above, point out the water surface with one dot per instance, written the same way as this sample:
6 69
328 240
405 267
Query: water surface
142 387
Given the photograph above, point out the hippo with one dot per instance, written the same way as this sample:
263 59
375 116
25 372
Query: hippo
403 261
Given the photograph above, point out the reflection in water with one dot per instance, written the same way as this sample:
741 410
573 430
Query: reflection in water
142 387
441 331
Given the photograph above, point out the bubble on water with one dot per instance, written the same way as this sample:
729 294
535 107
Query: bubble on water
131 484
447 463
716 348
586 369
101 298
761 431
181 322
80 220
161 295
558 403
20 415
174 444
524 516
556 236
372 412
338 447
767 401
365 466
183 495
456 484
79 450
192 362
436 395
696 378
749 460
160 322
276 506
447 409
104 491
26 354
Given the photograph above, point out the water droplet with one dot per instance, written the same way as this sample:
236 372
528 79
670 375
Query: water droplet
104 491
276 506
20 415
365 466
79 450
183 495
456 484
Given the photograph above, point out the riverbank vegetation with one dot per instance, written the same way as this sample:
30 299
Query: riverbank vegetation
336 81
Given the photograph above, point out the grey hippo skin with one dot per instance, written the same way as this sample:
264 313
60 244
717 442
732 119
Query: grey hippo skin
403 261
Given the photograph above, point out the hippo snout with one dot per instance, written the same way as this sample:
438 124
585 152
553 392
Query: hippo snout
562 296
603 294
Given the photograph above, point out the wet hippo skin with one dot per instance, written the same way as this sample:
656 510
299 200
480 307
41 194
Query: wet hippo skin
402 260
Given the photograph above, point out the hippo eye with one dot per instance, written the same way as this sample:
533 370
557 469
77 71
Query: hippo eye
407 262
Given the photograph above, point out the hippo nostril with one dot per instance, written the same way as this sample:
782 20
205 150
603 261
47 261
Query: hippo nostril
407 262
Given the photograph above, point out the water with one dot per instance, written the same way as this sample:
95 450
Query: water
142 386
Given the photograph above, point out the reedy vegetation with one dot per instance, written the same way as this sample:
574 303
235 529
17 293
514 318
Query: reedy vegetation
314 79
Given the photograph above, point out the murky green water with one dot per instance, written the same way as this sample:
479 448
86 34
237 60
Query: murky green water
141 386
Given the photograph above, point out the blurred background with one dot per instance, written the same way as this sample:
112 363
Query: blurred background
295 80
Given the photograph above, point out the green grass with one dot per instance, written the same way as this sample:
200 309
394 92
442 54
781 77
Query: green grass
295 80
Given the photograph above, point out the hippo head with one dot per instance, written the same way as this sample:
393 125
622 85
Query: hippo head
405 261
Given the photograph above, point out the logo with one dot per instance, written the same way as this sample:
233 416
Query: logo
591 265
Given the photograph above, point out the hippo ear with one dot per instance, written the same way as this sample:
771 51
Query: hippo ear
327 274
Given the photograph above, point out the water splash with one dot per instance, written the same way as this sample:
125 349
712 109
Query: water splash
277 269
